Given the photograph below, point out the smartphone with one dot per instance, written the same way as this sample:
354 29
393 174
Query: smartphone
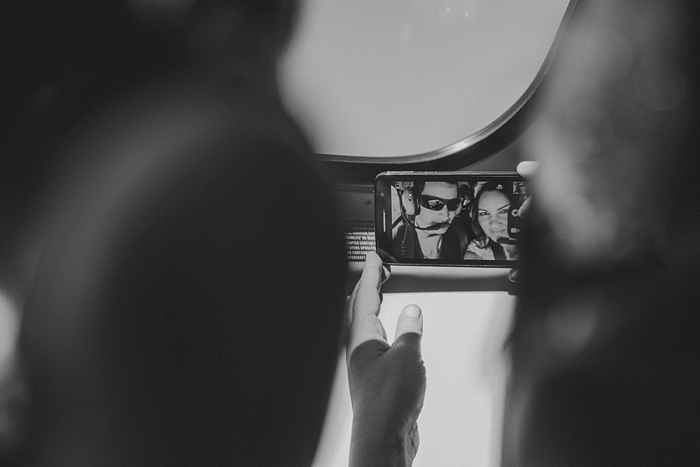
449 218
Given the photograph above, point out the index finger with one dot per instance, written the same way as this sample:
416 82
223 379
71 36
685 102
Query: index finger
366 301
364 306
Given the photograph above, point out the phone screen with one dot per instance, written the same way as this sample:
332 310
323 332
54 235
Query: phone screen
449 218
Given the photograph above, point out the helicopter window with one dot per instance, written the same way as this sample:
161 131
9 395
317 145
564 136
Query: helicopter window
401 82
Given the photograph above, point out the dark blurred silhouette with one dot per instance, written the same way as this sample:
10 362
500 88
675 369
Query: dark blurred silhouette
605 368
178 313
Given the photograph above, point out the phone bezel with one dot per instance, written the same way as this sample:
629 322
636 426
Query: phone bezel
383 212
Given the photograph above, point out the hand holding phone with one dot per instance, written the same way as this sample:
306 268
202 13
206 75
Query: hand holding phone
387 382
527 170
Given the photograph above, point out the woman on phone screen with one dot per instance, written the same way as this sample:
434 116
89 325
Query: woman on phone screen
490 223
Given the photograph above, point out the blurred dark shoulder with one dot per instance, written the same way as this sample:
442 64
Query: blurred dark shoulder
604 370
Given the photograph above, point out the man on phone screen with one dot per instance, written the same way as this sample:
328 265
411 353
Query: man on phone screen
430 233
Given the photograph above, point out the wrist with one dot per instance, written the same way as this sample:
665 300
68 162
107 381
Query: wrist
371 447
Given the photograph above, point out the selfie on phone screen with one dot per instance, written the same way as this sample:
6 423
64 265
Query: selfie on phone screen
455 219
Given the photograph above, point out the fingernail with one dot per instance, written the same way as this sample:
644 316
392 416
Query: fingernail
413 311
527 168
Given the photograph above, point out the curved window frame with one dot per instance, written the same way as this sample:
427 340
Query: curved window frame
465 152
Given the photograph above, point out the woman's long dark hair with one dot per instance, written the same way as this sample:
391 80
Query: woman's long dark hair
488 186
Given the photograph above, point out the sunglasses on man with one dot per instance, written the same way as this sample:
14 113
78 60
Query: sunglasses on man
436 204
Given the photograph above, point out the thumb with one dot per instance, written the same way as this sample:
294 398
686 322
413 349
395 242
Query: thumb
410 320
527 169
